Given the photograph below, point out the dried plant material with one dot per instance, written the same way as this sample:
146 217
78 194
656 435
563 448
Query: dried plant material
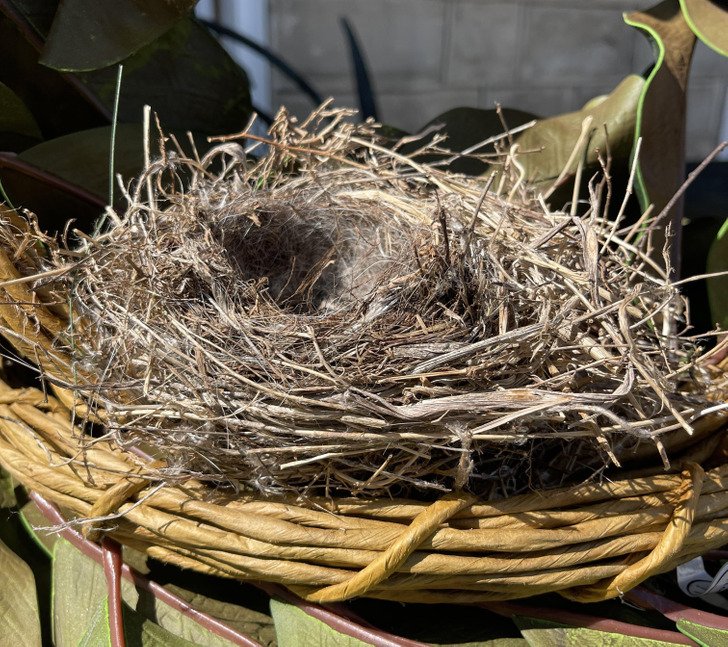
336 318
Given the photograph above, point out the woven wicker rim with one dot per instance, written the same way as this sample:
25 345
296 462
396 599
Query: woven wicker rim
589 543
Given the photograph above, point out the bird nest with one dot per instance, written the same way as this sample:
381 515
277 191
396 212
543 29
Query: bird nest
333 317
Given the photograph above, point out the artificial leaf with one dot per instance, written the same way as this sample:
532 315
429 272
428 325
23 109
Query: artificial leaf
82 158
60 104
7 489
557 136
466 127
709 21
79 583
186 76
661 164
295 628
543 633
240 616
138 630
98 632
367 102
38 14
19 618
718 285
18 128
32 518
549 143
89 35
705 636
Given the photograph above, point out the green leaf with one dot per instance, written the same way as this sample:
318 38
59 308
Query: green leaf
295 628
550 142
82 158
660 168
718 285
89 35
709 21
58 103
466 127
7 489
98 632
19 618
186 76
18 128
138 630
79 583
544 633
31 518
558 136
241 617
705 636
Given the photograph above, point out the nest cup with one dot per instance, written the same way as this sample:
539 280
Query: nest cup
334 321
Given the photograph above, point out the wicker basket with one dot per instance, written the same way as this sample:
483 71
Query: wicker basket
589 543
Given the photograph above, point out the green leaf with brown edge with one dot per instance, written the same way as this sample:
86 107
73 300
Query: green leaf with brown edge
295 628
709 21
60 104
32 518
18 128
82 158
661 115
7 489
79 583
557 136
187 78
90 35
19 619
138 630
544 633
705 636
238 615
718 285
466 127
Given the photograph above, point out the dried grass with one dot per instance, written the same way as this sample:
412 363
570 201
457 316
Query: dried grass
334 317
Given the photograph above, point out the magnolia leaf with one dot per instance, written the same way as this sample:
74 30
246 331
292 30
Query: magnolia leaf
548 145
19 617
295 628
18 128
31 518
7 489
186 76
718 285
544 633
59 104
705 636
138 630
98 632
709 21
89 35
82 158
79 583
661 165
557 136
466 127
242 617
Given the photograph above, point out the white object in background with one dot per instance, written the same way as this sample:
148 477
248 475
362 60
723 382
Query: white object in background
249 18
696 582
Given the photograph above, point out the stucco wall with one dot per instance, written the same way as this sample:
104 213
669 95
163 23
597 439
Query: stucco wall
426 56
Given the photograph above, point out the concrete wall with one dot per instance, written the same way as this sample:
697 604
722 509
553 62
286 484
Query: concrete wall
427 56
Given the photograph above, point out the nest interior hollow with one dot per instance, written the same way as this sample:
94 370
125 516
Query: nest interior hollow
334 317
